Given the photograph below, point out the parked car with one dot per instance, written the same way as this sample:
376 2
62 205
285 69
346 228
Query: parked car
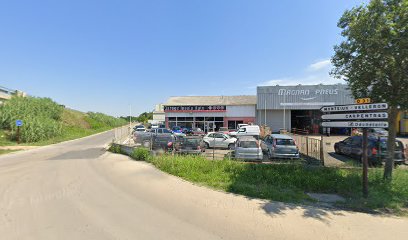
377 132
197 132
162 142
189 145
252 130
187 130
377 149
139 128
281 146
161 131
177 131
219 140
248 148
224 130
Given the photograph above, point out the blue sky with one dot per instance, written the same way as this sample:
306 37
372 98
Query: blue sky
106 55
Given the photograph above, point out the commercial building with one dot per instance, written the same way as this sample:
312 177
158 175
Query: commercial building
298 107
6 94
402 122
158 115
209 112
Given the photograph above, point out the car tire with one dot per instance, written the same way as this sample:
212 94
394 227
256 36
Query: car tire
230 146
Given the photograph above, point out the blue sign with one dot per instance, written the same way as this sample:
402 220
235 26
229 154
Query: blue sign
19 123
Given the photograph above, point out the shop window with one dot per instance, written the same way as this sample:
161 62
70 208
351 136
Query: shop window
199 119
190 119
209 119
179 119
406 115
219 119
172 119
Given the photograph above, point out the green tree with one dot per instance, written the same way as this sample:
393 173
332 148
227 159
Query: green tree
373 58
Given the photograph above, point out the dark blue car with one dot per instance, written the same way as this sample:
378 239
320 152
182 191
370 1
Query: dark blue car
377 149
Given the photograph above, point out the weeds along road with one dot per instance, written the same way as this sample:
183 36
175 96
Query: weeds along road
74 190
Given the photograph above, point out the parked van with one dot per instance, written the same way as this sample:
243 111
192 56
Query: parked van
250 130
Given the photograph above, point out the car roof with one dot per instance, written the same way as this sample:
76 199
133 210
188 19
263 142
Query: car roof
247 138
281 136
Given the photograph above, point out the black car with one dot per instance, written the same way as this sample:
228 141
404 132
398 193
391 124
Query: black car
377 149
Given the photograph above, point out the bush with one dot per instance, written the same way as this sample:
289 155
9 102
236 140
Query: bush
115 148
142 154
41 118
100 120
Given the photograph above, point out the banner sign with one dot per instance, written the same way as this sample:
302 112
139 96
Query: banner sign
212 108
356 116
355 107
356 124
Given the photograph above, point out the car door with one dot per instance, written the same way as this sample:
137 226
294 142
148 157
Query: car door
210 139
220 140
345 146
356 146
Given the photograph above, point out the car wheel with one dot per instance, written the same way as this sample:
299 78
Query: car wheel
230 146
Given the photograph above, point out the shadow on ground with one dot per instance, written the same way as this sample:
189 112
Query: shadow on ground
90 153
314 212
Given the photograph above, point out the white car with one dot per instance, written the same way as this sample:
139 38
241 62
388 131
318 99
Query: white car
219 140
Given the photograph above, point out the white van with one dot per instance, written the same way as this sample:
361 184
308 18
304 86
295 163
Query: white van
250 130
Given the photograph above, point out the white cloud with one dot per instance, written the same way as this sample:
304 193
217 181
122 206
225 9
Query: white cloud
324 64
315 73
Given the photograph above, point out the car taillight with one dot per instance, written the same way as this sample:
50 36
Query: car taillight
169 144
257 144
374 151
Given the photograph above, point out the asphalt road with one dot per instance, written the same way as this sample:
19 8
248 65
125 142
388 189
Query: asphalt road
75 190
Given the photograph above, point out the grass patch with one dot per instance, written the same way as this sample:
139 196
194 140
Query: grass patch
2 151
290 183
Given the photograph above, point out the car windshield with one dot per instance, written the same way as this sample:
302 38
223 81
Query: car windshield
285 142
166 131
398 145
248 144
176 128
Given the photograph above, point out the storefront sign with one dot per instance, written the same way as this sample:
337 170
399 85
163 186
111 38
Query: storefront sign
356 116
355 107
330 91
356 124
212 108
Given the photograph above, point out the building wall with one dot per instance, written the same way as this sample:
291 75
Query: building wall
302 97
402 121
241 111
274 119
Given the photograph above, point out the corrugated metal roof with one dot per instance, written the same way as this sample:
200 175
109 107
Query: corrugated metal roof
211 100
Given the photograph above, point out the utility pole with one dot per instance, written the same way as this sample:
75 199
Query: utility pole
365 163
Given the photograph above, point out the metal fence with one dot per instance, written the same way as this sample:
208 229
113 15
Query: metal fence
310 148
123 135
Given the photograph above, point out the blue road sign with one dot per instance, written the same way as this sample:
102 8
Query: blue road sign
19 123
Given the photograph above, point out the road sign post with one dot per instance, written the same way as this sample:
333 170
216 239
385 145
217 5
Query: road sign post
365 163
363 114
19 123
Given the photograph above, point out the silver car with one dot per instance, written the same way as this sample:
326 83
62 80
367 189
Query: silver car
248 148
219 140
281 146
